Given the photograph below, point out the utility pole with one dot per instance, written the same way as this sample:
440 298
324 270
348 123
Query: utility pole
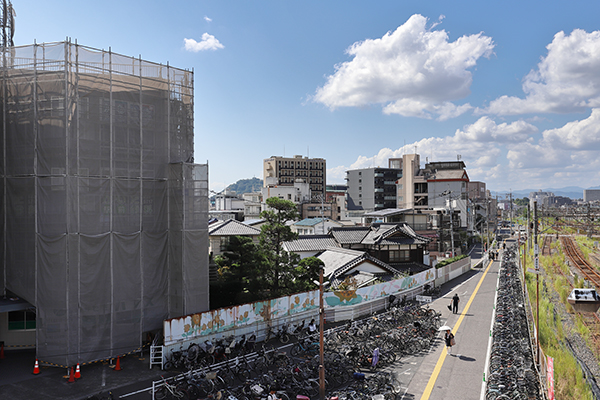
451 227
321 341
487 223
536 251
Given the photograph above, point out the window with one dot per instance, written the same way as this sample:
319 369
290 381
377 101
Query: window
224 243
399 255
360 188
21 320
289 196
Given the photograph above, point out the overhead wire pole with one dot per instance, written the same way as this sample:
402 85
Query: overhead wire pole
536 251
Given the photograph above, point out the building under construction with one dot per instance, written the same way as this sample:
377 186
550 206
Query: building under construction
103 213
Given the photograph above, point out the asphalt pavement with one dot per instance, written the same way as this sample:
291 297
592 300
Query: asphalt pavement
436 375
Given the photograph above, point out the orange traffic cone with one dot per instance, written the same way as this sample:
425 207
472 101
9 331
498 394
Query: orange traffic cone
71 376
118 365
36 368
77 372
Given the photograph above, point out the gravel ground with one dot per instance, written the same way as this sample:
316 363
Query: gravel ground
584 353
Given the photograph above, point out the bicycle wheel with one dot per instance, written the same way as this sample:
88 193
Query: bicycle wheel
193 352
284 338
160 393
181 391
283 396
203 387
260 365
295 350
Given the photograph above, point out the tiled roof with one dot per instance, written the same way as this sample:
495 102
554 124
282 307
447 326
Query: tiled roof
338 261
232 227
412 267
310 243
350 235
390 234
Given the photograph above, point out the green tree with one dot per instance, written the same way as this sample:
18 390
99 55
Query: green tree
305 274
522 201
279 272
237 268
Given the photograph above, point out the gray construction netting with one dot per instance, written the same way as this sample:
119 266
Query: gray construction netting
104 212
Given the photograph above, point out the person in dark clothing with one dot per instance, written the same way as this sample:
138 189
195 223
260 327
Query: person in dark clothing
391 301
455 301
448 337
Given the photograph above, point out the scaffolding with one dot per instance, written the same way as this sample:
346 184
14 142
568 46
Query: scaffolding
104 213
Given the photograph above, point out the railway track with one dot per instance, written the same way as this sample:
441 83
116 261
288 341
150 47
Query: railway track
591 320
572 251
546 242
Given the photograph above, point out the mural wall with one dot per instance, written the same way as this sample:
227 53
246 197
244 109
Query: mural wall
265 312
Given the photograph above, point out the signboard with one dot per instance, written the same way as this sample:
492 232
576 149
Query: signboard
550 375
423 299
536 250
536 263
533 271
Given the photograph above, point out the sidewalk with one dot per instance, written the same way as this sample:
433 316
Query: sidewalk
18 382
460 375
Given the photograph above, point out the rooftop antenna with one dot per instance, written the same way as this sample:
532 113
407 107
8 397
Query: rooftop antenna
8 23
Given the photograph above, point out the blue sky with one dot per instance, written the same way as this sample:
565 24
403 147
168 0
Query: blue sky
512 87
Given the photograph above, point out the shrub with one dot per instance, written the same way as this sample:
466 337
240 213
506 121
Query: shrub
450 260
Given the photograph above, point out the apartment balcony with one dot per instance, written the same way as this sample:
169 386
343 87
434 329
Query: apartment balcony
378 174
379 190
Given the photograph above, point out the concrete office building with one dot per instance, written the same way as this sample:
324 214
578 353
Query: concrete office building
285 171
591 195
372 189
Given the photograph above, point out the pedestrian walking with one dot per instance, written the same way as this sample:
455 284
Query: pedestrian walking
455 300
449 338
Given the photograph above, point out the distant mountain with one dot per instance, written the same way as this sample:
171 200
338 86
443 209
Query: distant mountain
246 186
572 192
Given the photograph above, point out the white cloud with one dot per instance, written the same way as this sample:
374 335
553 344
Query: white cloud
499 154
486 130
566 80
413 71
207 19
208 42
577 135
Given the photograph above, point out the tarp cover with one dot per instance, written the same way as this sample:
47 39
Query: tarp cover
105 213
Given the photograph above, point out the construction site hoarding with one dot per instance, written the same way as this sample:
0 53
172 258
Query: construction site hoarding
104 212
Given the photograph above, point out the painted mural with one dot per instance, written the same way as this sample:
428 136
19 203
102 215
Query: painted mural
341 298
225 319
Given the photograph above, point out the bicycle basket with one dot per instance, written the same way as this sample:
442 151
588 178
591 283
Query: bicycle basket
256 389
211 375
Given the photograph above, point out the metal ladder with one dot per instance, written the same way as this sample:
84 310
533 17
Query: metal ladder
156 353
